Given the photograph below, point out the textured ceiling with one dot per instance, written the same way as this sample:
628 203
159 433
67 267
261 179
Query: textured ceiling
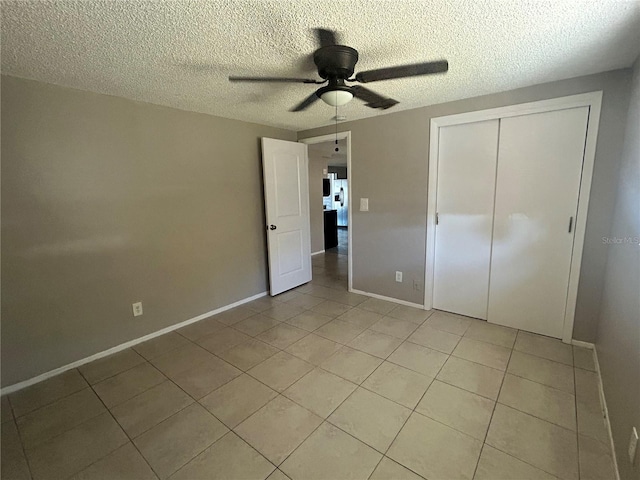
180 53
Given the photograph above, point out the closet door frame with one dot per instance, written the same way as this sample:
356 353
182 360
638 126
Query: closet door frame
593 100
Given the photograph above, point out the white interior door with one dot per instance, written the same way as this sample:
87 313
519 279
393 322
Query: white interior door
286 192
539 168
467 157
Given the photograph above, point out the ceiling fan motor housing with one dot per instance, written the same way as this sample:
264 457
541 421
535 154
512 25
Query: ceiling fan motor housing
335 61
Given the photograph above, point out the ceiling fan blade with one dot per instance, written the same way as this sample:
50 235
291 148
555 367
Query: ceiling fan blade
274 80
372 99
326 37
403 71
305 103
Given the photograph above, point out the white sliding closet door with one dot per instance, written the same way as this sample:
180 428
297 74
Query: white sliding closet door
466 185
539 168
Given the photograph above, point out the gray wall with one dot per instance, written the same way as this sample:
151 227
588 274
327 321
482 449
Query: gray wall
106 202
618 342
316 216
390 155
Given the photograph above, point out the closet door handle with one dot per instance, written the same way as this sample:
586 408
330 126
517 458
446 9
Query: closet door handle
570 224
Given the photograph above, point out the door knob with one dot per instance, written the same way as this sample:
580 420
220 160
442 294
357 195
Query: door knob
272 227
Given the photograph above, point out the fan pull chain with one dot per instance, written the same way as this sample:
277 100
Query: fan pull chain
336 117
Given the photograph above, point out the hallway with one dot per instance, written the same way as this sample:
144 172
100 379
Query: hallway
343 243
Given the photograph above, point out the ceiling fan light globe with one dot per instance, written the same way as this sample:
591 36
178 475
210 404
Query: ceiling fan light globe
336 98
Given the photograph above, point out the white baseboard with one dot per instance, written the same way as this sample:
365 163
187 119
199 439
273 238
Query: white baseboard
603 400
123 346
317 253
580 343
388 299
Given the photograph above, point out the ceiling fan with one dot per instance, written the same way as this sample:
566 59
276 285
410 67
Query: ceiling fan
336 64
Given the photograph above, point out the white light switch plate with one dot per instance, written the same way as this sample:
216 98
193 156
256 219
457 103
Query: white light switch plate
364 204
398 276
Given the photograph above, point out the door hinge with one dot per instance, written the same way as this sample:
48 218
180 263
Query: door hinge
570 224
437 219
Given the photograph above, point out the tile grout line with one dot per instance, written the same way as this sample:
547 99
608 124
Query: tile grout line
87 385
413 410
22 447
544 358
131 367
504 373
507 372
123 431
525 462
230 431
536 417
533 416
324 420
575 400
432 348
496 402
13 415
451 355
486 434
166 378
280 394
384 454
195 401
65 431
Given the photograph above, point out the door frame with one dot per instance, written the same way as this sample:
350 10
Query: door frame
593 100
328 138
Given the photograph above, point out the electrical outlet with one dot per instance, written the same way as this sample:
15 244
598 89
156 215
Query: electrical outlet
137 309
398 276
364 204
633 444
416 285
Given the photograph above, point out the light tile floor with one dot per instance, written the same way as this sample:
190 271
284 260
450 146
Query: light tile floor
318 383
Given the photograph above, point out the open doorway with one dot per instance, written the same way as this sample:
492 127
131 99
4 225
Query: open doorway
336 204
330 208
